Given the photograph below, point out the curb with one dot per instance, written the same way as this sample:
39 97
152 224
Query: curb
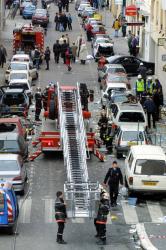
143 237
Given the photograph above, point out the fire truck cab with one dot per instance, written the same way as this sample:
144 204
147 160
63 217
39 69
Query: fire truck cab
26 37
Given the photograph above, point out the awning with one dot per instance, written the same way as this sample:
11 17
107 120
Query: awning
131 10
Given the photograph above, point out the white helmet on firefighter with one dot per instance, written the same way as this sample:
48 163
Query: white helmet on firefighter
149 78
141 64
38 89
139 77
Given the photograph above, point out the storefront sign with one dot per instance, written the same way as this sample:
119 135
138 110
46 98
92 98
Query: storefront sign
131 10
161 41
135 23
117 2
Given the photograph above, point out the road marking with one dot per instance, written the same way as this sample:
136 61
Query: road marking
155 211
49 214
129 213
25 210
78 220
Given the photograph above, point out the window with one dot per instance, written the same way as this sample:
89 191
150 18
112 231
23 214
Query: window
8 145
150 167
130 161
131 117
7 165
132 136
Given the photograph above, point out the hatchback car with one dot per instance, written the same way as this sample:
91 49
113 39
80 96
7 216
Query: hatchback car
127 136
21 57
81 7
11 142
115 78
22 84
20 74
12 169
40 17
28 11
110 69
100 36
145 170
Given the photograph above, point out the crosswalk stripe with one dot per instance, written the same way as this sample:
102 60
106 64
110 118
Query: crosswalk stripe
25 211
49 214
155 211
129 212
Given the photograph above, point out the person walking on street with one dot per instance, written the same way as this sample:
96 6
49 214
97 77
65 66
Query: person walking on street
74 52
149 86
157 84
157 102
89 32
113 177
60 6
83 53
78 44
47 54
142 71
150 108
3 55
116 26
38 104
68 56
37 58
69 21
56 51
61 40
60 216
134 44
124 26
67 5
101 220
56 20
64 47
64 21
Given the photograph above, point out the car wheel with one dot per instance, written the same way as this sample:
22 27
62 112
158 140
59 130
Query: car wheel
118 155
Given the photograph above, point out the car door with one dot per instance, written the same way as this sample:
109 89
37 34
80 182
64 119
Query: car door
32 71
135 62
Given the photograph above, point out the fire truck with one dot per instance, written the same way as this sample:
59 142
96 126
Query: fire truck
26 37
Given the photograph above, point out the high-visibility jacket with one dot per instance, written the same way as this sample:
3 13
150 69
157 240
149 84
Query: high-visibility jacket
140 86
149 87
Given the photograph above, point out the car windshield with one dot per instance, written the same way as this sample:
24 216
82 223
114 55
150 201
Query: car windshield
7 127
131 117
116 78
8 145
150 167
18 76
7 165
115 70
18 66
132 136
102 41
14 99
110 89
19 86
120 98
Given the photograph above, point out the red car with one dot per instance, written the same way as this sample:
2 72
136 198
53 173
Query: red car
98 29
40 17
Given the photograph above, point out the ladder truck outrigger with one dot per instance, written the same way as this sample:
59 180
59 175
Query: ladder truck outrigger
81 194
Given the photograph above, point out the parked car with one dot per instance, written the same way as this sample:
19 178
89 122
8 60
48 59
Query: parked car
40 17
117 97
28 11
145 170
110 69
92 21
22 84
128 114
100 36
16 65
21 57
127 136
131 64
20 74
13 124
81 7
98 29
115 78
88 12
23 4
12 169
7 194
105 49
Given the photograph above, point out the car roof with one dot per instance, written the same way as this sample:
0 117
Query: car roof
19 62
130 107
19 71
104 44
21 55
132 127
151 150
8 136
7 91
17 81
9 120
116 85
8 156
113 65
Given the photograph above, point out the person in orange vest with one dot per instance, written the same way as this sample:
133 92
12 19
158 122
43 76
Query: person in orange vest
101 220
101 62
60 216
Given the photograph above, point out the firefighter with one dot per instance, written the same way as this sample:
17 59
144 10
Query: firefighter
139 86
84 93
38 104
45 97
113 177
101 219
37 58
60 216
149 86
108 138
103 124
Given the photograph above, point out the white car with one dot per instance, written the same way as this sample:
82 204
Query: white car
21 66
20 74
21 58
104 48
82 7
110 69
145 169
127 136
22 84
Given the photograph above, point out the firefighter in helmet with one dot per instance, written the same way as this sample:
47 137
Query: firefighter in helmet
38 103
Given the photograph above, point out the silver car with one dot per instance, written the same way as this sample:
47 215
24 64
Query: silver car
12 169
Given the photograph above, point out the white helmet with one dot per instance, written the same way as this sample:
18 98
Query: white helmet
149 78
139 77
141 64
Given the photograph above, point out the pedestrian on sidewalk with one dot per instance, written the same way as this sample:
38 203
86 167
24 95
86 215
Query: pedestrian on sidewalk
64 47
78 44
60 6
101 220
113 178
67 5
38 104
157 102
56 51
64 21
116 26
129 42
3 55
60 216
134 44
150 108
47 54
56 20
124 26
69 21
83 53
68 56
74 52
89 29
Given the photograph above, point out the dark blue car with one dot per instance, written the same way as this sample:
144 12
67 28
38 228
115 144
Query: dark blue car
28 11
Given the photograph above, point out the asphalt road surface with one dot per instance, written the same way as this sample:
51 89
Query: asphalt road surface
37 227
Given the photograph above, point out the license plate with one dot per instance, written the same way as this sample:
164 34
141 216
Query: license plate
149 183
131 143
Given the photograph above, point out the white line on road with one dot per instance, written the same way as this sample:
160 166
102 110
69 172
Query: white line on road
155 211
129 213
49 210
25 212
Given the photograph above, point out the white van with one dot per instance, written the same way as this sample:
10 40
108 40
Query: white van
145 169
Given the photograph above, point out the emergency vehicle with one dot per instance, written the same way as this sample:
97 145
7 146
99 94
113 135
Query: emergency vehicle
26 37
9 209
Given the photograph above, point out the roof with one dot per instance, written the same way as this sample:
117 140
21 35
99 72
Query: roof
8 156
114 65
116 85
10 120
130 106
151 150
17 81
19 71
9 136
21 55
105 44
14 91
132 127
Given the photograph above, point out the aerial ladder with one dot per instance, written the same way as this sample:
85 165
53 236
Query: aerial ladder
81 195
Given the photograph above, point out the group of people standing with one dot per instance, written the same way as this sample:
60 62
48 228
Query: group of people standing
62 22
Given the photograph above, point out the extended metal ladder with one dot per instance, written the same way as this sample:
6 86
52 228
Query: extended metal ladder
80 193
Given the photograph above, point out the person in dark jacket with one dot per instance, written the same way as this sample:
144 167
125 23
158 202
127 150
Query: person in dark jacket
64 47
142 71
64 21
60 216
38 104
157 102
150 108
3 55
60 6
47 54
56 51
101 220
56 20
113 177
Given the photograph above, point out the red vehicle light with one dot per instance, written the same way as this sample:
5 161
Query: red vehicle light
131 180
10 218
17 178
